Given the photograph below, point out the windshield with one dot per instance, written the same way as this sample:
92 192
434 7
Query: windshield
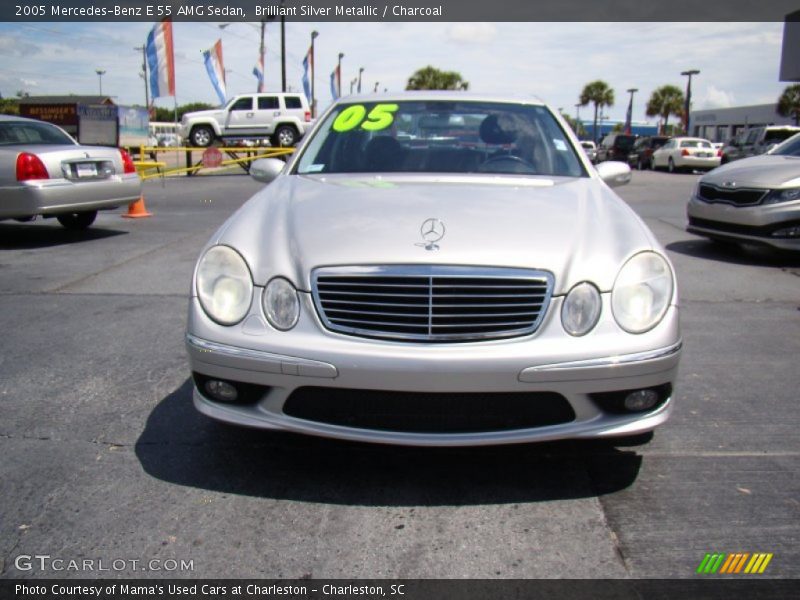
30 133
773 136
440 137
695 144
790 147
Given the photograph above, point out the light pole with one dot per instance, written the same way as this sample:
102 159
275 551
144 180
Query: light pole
687 106
339 74
629 116
144 75
353 82
314 35
360 71
375 89
100 73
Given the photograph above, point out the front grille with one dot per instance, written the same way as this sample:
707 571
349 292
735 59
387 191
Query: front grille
420 412
737 197
431 303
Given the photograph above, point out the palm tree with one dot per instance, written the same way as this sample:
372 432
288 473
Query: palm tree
665 101
789 103
431 78
600 94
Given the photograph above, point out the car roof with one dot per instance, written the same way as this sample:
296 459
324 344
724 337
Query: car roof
18 118
450 96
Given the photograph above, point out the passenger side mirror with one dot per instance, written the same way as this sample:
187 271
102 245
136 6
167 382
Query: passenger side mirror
614 173
266 169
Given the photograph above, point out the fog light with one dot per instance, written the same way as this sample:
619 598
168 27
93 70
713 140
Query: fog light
787 232
641 400
221 390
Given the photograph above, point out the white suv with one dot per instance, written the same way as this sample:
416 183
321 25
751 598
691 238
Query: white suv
284 118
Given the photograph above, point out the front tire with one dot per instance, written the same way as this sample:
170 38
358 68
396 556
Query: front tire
671 166
285 136
77 221
202 136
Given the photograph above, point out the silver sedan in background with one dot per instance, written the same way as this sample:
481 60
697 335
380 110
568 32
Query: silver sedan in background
43 171
755 200
436 269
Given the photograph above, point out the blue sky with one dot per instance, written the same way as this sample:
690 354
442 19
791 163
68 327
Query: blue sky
739 62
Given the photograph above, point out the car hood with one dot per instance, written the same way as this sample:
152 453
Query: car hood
765 171
575 228
213 113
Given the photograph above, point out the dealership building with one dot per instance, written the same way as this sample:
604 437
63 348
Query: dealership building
721 124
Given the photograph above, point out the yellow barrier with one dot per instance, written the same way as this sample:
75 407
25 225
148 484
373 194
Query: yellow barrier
254 153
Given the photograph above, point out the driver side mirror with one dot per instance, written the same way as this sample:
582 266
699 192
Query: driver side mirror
614 173
266 169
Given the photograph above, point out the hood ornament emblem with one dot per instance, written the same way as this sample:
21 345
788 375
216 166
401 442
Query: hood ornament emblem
432 230
729 184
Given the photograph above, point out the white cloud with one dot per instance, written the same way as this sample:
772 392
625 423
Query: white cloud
28 82
472 33
716 98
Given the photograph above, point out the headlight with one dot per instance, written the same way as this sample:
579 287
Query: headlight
581 309
642 292
776 196
224 285
281 304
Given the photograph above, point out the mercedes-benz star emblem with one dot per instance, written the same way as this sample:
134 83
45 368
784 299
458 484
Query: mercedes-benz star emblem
432 231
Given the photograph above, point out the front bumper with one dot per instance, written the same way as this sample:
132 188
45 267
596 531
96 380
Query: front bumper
310 356
750 224
57 196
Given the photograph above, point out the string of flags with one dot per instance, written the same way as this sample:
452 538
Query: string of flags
160 53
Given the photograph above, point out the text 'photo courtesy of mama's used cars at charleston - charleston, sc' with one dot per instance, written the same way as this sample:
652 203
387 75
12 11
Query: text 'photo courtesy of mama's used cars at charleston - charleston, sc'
436 269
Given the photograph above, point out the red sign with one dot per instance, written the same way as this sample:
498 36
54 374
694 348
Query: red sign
212 158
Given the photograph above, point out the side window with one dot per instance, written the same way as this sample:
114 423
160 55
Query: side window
292 102
268 103
752 136
245 103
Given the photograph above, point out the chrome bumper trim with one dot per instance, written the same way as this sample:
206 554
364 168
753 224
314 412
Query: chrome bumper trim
276 363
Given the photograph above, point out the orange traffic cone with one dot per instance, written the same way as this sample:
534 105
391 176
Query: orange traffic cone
137 209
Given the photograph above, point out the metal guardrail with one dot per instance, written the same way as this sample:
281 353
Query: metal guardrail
146 167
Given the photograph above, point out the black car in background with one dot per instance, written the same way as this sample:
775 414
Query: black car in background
643 149
615 146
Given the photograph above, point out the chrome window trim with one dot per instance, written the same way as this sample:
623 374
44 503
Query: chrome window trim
469 272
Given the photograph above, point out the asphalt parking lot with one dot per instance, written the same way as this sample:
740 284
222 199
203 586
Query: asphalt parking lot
104 457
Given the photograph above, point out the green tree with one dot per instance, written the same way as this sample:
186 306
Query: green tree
789 103
576 126
431 78
9 106
166 115
600 94
665 101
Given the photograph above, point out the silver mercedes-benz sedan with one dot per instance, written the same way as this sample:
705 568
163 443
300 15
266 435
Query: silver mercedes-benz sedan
43 171
753 200
436 269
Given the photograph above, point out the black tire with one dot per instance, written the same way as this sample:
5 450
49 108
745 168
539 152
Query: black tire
671 166
77 221
202 136
284 136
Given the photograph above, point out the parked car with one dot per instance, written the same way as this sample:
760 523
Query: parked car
284 118
43 171
755 141
615 146
418 291
754 200
643 149
591 150
681 153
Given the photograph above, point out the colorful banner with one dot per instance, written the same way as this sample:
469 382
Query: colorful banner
216 69
161 60
336 92
307 61
258 71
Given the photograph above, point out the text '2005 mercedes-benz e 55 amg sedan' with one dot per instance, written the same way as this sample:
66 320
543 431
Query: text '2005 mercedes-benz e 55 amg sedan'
436 269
